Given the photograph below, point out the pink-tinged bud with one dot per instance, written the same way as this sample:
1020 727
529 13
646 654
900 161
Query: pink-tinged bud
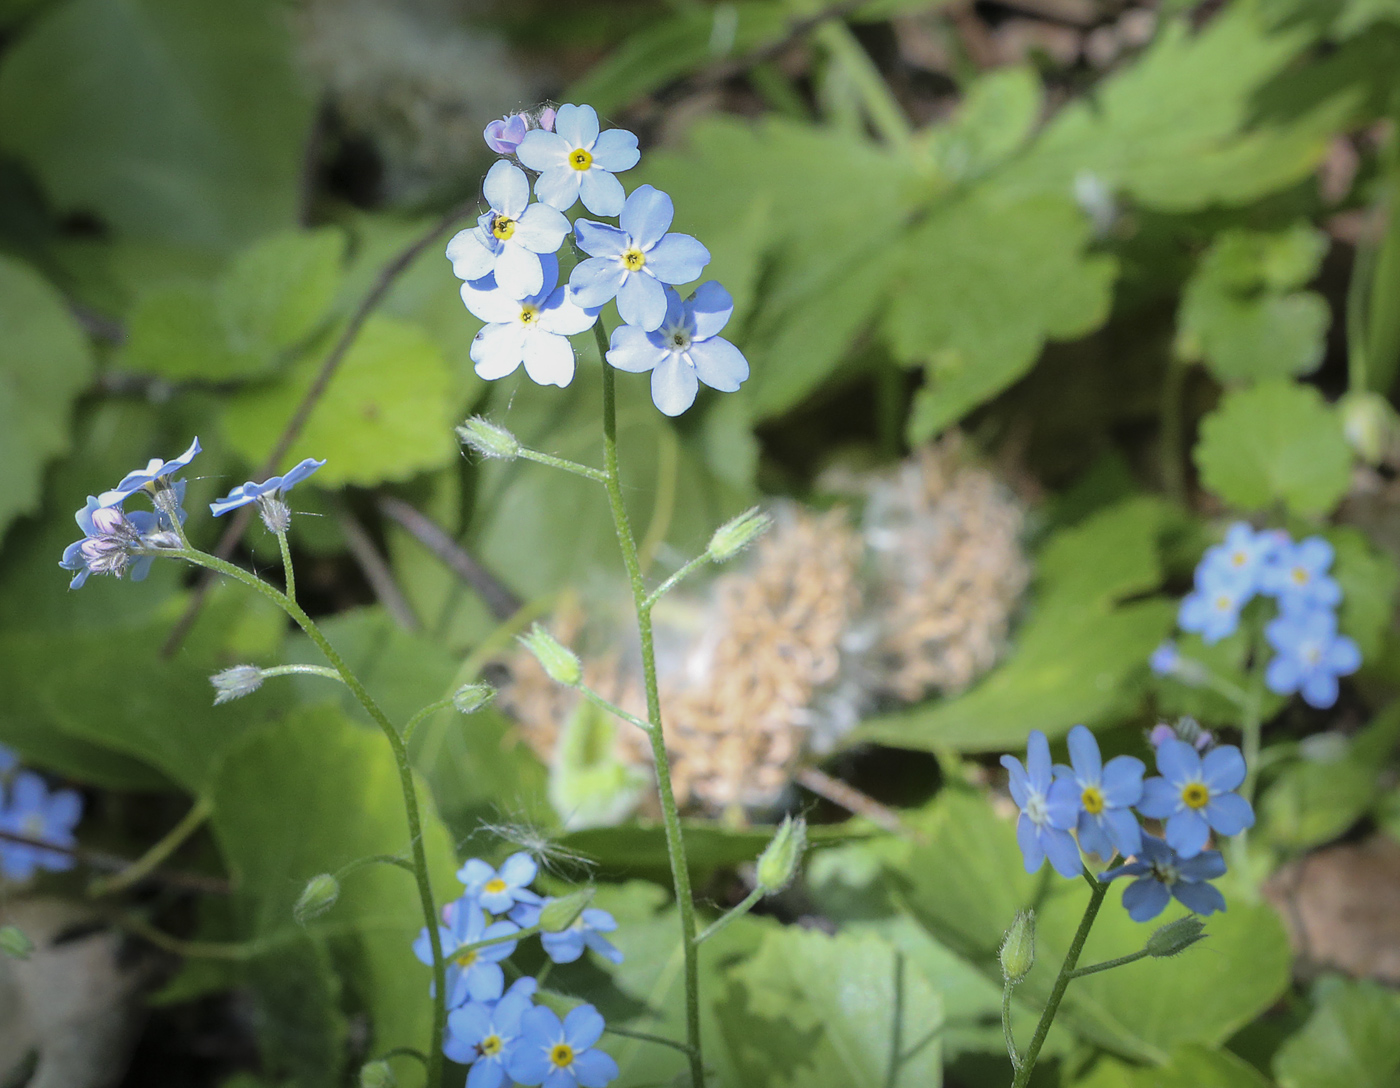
108 520
504 136
546 120
1161 733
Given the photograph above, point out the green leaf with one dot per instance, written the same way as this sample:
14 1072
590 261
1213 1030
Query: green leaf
1189 1067
588 784
1275 443
45 363
994 119
1352 1040
809 1009
1313 801
385 415
168 121
1369 578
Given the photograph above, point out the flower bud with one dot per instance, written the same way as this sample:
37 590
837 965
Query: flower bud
377 1075
558 661
1368 421
488 439
236 682
317 897
1017 952
1176 937
470 698
561 913
276 514
778 863
737 534
15 943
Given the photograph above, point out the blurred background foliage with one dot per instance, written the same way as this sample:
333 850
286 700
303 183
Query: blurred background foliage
1143 256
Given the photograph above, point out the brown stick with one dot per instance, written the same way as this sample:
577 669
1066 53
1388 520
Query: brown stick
96 859
852 800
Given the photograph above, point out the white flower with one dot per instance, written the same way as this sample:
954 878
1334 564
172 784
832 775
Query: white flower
575 161
509 239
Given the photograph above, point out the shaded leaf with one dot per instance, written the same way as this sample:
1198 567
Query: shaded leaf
1352 1040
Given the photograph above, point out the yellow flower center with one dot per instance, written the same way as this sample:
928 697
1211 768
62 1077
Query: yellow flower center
633 259
561 1054
580 159
1239 558
503 227
465 958
497 885
527 315
1222 603
490 1046
1195 795
1092 800
1300 576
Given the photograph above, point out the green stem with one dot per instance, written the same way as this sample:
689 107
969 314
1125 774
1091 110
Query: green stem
675 579
647 1037
405 769
612 708
1173 429
374 859
1006 988
1057 992
518 935
302 670
675 843
1095 968
171 841
1251 725
567 465
288 575
750 901
884 112
423 715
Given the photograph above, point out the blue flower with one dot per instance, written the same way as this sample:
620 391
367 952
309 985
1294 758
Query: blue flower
472 975
504 136
509 239
685 350
575 160
109 535
498 891
484 1036
1106 796
1297 576
1195 794
156 475
1311 655
243 494
632 262
561 1055
533 330
1161 874
1165 659
37 814
1049 809
1243 556
588 929
8 760
1212 609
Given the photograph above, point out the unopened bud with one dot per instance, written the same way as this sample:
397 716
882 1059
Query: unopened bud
317 897
1017 952
15 943
737 534
377 1075
561 913
236 682
1176 937
555 658
1368 421
488 439
470 698
778 863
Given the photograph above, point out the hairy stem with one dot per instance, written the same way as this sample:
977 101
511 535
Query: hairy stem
750 901
1006 1032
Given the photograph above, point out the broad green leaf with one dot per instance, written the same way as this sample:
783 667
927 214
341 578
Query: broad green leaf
1313 801
1369 578
175 332
847 1011
45 363
1189 1067
296 998
994 119
385 415
1275 443
340 781
589 785
276 293
1352 1040
170 121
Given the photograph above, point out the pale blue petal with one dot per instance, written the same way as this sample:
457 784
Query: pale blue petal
1207 865
600 192
1178 762
1093 837
518 272
486 1074
497 350
1200 898
1016 780
485 981
1223 769
719 364
1062 851
1229 814
600 239
1122 781
1187 832
1320 690
599 919
1124 831
595 1068
488 302
1145 898
506 189
1038 761
677 258
583 1027
1062 802
596 280
647 216
563 947
565 317
1343 656
471 1023
65 809
616 150
529 1064
558 186
577 124
549 360
710 308
1032 852
603 946
519 869
1084 755
541 229
1283 676
641 302
543 151
471 257
560 1078
634 351
673 385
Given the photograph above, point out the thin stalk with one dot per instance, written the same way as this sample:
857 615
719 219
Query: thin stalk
1006 1032
675 843
1173 429
1097 892
750 901
505 938
561 462
884 112
1095 968
648 1037
427 712
675 579
302 670
288 575
1251 725
405 769
612 708
168 843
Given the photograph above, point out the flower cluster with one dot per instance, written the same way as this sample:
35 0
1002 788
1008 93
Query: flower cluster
1193 794
1310 654
28 809
510 267
500 1032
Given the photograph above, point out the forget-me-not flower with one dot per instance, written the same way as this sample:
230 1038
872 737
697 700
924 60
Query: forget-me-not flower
155 476
472 974
1195 794
1106 796
1049 809
109 534
1242 556
510 239
272 488
561 1055
1212 609
631 262
1162 873
499 890
504 136
534 330
1165 659
577 161
685 350
587 930
1297 576
1311 655
484 1036
37 814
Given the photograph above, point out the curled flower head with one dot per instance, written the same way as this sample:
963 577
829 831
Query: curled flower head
1049 809
1195 795
510 239
685 351
577 161
1163 874
41 816
1311 656
499 890
110 535
561 1054
1106 796
633 261
1297 575
587 931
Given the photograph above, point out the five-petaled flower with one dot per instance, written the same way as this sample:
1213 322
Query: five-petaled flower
484 1036
1297 575
561 1055
511 239
109 536
1195 795
1106 796
685 350
1049 809
1212 609
1162 873
473 974
631 262
1311 655
577 161
588 928
499 890
43 817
